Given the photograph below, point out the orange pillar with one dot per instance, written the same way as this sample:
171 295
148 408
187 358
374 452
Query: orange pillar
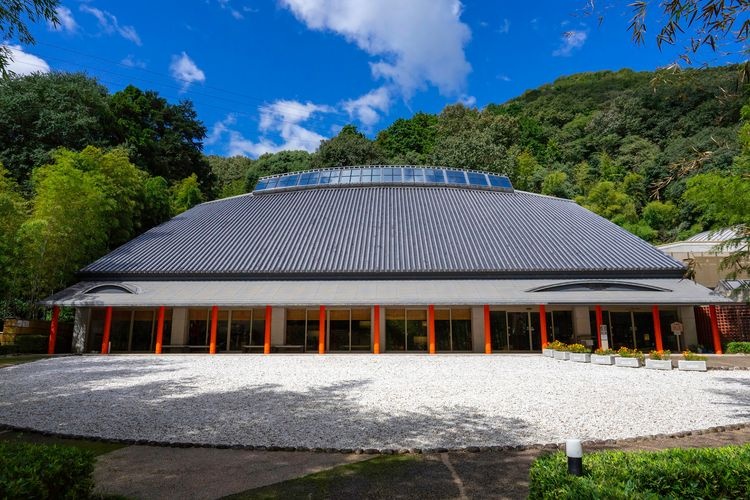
376 331
267 337
487 332
214 324
53 330
657 327
159 329
431 328
322 330
543 324
598 310
107 328
715 330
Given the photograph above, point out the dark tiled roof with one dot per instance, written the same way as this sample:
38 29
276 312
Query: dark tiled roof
385 231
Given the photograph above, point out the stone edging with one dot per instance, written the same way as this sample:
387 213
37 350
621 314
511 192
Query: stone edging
384 451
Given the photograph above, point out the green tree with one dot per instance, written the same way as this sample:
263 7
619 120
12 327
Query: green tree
12 13
409 141
608 201
556 184
527 171
230 174
277 163
350 147
186 194
157 206
12 214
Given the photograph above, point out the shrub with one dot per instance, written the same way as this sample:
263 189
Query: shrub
557 346
691 356
578 348
624 352
604 352
675 473
660 354
31 344
738 348
41 471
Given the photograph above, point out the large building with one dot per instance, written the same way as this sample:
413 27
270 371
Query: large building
383 259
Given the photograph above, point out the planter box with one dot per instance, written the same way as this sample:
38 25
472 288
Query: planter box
659 364
691 366
628 362
550 353
564 355
603 359
580 357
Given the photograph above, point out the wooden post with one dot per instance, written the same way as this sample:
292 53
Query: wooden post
657 327
214 324
53 330
267 336
159 329
715 330
107 328
598 310
322 330
487 331
431 328
543 324
376 330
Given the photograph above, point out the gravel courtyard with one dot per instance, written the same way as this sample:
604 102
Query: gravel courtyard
363 401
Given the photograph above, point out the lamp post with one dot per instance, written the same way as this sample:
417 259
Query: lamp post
574 451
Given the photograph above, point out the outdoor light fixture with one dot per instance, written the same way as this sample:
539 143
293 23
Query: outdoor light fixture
574 450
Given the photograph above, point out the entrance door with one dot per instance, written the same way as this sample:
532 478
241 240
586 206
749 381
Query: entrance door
499 330
621 332
523 331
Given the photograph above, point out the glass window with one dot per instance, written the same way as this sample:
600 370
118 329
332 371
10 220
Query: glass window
258 336
143 324
560 326
669 339
434 175
499 330
198 326
261 185
408 175
499 181
166 337
334 177
477 179
119 331
309 179
295 327
345 176
392 175
272 182
395 329
377 175
461 329
361 326
455 177
288 180
419 175
356 176
325 177
443 329
643 324
313 329
416 330
240 329
338 334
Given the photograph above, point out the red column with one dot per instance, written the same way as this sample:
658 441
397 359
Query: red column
267 337
715 330
322 330
214 324
159 329
376 331
431 328
107 328
598 310
53 330
487 332
543 324
657 327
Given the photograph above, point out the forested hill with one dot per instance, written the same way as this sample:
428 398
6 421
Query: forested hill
664 154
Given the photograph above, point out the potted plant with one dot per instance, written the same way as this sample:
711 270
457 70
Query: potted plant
561 352
659 360
603 357
579 353
692 362
549 349
629 358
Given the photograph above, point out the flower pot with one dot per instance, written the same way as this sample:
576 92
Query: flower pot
659 364
691 366
603 359
628 362
580 357
550 353
564 355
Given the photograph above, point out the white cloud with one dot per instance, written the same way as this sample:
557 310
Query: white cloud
219 129
367 108
66 21
416 42
22 63
504 28
109 24
185 71
503 78
131 62
227 5
467 100
570 41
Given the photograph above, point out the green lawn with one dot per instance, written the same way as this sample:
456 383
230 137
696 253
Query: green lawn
23 358
96 447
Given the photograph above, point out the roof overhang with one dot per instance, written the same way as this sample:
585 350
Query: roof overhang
519 292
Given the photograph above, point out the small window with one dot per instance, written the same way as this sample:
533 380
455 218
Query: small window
477 179
109 289
455 177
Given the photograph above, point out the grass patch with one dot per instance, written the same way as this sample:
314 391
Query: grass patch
675 473
365 477
738 348
95 447
23 358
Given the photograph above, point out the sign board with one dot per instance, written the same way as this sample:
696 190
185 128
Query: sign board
676 328
603 336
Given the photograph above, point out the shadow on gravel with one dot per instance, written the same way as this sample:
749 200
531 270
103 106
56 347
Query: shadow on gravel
739 398
325 416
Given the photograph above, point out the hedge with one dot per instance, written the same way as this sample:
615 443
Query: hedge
738 348
45 471
676 473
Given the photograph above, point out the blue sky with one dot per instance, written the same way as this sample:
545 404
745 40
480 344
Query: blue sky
267 75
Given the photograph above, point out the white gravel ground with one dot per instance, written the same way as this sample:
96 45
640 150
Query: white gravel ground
363 401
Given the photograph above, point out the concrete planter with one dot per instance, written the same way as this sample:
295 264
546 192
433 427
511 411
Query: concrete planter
563 355
691 366
580 357
628 362
550 353
659 364
603 359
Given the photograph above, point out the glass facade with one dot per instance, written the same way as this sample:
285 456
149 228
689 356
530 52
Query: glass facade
132 330
453 330
521 330
406 330
635 329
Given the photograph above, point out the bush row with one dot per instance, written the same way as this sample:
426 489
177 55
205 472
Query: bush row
738 348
